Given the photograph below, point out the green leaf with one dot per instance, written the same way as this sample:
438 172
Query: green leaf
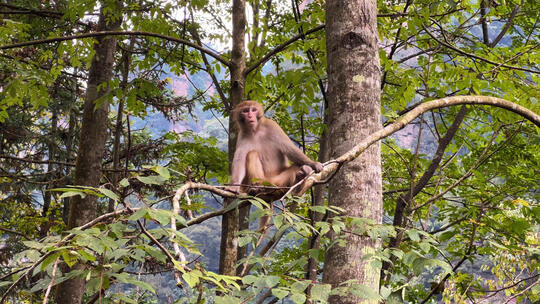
319 209
413 234
278 221
536 289
5 283
72 193
425 246
249 279
244 240
192 278
151 180
48 260
124 182
137 215
227 300
86 255
300 286
123 298
108 193
445 236
376 264
162 171
365 292
385 292
271 281
32 244
298 298
124 278
108 242
280 293
162 216
69 258
320 292
421 262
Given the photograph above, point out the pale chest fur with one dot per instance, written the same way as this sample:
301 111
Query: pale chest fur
270 154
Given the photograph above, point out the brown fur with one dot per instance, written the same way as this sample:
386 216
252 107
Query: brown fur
265 154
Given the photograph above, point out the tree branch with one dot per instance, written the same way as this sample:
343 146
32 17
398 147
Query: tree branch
212 75
15 232
119 33
478 57
469 172
404 200
485 30
506 26
42 13
35 161
458 264
401 122
280 48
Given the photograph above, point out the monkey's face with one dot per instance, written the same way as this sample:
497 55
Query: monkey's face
250 116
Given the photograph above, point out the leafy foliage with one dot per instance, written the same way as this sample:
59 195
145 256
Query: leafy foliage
469 233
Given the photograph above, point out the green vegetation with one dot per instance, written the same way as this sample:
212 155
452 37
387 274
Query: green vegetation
460 184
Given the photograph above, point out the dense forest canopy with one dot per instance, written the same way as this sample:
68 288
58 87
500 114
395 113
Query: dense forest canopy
108 107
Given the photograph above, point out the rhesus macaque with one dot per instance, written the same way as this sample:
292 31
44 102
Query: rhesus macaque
265 154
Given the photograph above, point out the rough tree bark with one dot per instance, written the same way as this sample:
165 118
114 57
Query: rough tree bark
91 144
232 221
354 113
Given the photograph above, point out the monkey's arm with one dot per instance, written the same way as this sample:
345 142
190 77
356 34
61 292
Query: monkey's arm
293 153
238 169
296 156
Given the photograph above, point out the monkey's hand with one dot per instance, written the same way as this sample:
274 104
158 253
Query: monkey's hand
317 166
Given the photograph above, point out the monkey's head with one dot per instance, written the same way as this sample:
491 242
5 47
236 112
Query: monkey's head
247 115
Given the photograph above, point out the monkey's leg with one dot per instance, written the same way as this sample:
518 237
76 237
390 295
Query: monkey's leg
254 169
255 176
304 171
286 178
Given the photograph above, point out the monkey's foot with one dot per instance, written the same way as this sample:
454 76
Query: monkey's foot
304 171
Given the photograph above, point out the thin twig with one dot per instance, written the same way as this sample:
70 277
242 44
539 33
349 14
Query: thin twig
51 283
280 48
476 56
118 33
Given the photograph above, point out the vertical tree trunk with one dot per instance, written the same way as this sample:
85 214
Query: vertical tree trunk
69 150
354 112
312 266
231 221
91 144
51 145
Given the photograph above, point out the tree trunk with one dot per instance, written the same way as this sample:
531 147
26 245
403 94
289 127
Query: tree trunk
319 191
354 113
91 144
231 221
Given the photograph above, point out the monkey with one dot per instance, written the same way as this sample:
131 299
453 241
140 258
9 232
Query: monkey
265 155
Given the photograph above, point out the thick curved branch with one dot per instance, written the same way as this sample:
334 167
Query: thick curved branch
119 33
280 48
400 123
331 166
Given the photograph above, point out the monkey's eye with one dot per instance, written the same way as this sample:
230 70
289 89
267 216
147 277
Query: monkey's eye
245 110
